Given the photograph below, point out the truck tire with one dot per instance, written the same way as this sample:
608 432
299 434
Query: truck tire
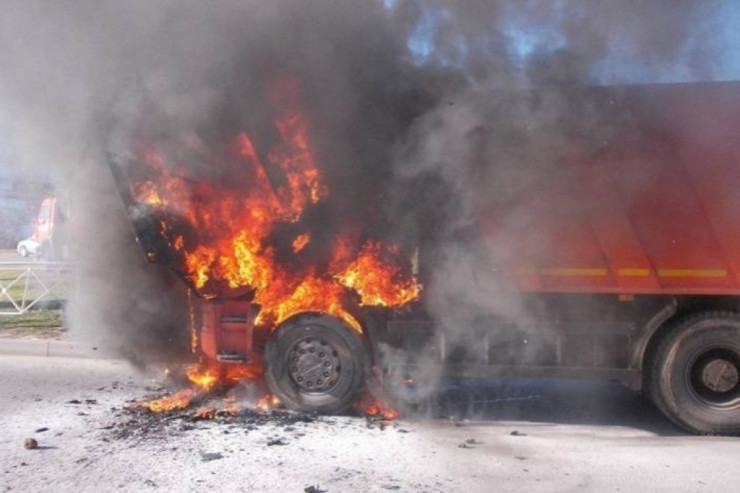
315 363
694 377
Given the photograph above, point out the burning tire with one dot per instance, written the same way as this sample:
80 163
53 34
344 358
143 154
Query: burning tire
695 375
315 363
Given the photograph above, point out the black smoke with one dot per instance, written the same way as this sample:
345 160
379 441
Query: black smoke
421 111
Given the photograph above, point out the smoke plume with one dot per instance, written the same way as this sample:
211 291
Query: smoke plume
423 113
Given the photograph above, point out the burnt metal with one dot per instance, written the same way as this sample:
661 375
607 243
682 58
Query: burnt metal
141 424
375 323
232 357
119 179
314 365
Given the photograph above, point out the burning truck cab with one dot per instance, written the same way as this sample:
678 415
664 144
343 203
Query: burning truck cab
624 266
269 295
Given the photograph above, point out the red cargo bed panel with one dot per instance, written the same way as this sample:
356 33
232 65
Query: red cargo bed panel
657 212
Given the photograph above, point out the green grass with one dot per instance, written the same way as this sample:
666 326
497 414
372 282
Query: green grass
33 319
35 324
29 288
45 318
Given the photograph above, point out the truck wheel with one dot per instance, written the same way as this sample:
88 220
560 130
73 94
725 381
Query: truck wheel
694 378
315 363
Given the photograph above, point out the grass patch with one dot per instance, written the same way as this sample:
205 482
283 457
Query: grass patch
28 285
35 319
26 288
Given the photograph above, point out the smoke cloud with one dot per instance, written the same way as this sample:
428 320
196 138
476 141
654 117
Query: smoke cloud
423 113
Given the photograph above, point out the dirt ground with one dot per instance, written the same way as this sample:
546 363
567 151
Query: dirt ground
512 437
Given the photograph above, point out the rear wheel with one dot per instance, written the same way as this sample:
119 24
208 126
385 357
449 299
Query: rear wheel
694 377
315 363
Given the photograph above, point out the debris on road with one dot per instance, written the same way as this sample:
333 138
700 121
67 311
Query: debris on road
470 443
209 456
31 443
86 401
145 425
314 489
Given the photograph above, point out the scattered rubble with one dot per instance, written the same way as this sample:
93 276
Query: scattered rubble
145 425
31 443
470 443
209 456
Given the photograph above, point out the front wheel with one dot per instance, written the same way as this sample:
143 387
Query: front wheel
695 375
315 363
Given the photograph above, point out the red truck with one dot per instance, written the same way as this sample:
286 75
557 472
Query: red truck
626 266
49 239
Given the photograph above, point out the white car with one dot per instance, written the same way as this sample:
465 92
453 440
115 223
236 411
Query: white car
28 247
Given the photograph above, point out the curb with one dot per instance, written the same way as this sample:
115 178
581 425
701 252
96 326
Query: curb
50 348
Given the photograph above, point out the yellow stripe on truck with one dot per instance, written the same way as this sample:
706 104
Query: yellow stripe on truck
633 272
573 271
692 273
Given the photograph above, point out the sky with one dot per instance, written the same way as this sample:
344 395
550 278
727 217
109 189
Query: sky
526 38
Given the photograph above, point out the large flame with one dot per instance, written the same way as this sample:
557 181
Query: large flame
229 247
203 377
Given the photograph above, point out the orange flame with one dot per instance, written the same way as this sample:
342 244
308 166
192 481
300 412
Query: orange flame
232 247
267 402
204 378
208 412
300 242
229 409
174 402
376 281
380 410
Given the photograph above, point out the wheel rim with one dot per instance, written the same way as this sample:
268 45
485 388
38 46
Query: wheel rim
714 377
314 365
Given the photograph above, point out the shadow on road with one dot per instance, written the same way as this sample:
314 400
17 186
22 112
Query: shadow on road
546 401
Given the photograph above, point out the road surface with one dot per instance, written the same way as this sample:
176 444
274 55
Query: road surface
7 255
549 437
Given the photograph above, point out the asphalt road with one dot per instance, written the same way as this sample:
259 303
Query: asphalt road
515 436
9 255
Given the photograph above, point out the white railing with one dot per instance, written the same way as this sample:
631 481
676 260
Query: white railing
25 285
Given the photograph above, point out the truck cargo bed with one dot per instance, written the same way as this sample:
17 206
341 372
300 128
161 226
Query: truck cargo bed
655 210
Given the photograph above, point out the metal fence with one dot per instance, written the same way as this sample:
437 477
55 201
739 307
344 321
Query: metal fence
33 284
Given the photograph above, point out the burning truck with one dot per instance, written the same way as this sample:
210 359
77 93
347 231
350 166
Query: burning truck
625 259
